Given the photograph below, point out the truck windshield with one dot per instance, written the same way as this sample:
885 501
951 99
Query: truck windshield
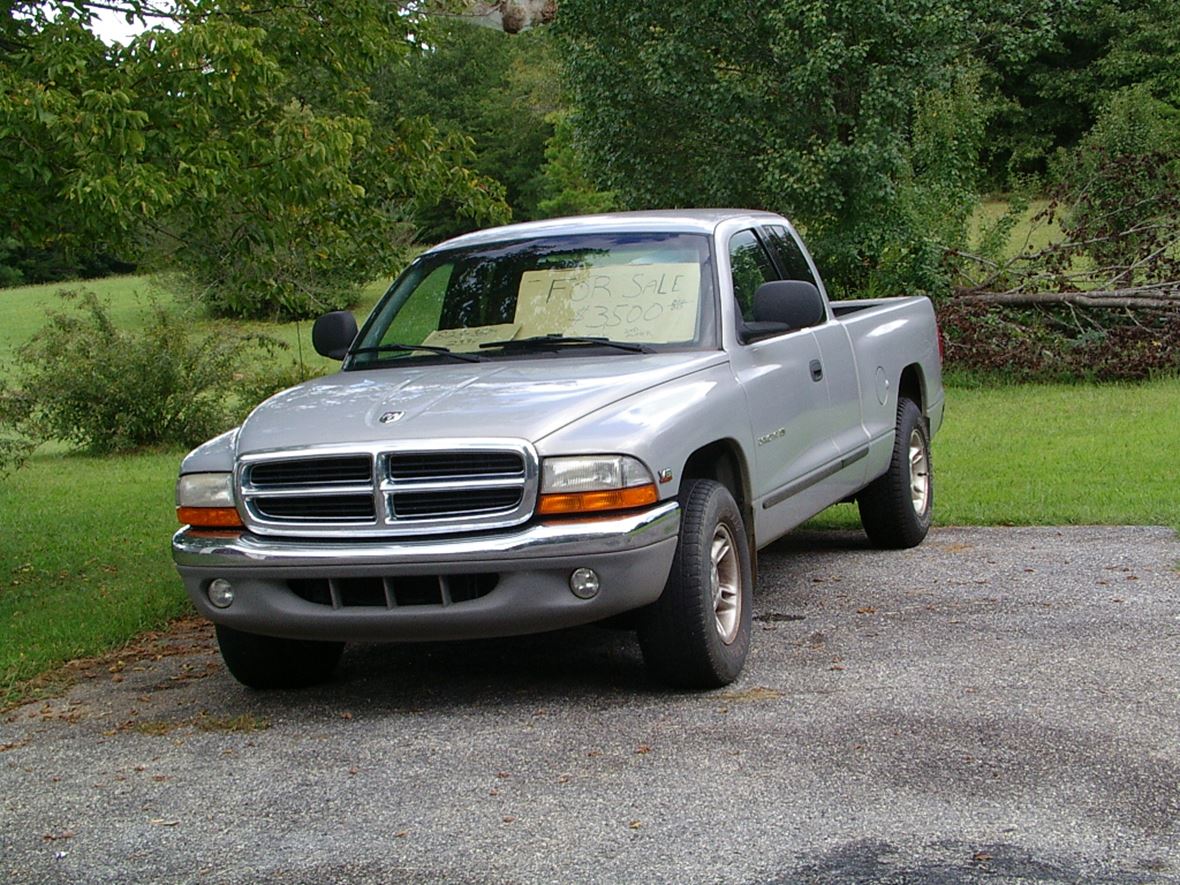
649 291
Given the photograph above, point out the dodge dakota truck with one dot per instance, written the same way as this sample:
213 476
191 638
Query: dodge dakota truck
556 423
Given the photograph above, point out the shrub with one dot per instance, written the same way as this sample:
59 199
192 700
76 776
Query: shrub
102 389
15 446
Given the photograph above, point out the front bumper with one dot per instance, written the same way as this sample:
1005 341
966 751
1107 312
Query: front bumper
632 554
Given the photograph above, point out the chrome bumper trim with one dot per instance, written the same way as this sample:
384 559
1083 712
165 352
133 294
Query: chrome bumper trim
573 537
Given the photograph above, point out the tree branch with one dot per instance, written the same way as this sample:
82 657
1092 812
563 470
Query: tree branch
1157 296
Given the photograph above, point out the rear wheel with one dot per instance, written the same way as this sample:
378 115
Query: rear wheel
895 509
697 634
273 662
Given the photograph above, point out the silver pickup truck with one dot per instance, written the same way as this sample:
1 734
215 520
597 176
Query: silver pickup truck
555 423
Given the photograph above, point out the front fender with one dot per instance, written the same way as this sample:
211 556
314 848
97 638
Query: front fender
214 456
662 426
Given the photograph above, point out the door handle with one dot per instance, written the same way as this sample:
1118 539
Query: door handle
817 370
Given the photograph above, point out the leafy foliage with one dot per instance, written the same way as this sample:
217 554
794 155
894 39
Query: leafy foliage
804 107
87 383
565 186
485 86
1124 185
1053 65
1103 300
239 147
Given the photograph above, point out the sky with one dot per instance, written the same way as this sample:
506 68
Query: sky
112 27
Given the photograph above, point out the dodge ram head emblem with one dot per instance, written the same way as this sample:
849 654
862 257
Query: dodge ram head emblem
390 417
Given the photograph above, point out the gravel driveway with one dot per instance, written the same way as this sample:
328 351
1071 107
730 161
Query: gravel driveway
998 704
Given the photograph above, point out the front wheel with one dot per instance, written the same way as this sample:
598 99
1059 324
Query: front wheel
697 634
895 509
273 662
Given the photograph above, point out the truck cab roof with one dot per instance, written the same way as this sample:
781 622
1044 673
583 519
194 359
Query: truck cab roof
666 220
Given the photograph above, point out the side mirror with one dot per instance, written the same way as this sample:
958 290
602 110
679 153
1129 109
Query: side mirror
794 303
333 333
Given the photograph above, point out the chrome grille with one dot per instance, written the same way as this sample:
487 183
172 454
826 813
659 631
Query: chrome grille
442 465
345 507
313 471
420 505
420 490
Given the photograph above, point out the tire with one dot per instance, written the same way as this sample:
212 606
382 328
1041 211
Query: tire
697 634
895 508
271 662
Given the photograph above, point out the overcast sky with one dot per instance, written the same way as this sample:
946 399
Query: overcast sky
113 27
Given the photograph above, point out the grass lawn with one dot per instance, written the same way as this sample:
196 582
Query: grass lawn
24 308
129 301
1026 235
1055 455
84 558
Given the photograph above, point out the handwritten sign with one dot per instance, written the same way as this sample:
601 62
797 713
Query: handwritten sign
472 338
654 303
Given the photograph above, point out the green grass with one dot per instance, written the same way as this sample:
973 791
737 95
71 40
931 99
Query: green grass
1063 454
84 558
1055 455
84 554
24 308
129 300
1027 235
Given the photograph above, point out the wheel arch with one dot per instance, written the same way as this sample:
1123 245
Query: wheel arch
912 386
723 461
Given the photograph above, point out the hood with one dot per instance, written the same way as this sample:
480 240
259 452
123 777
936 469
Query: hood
524 399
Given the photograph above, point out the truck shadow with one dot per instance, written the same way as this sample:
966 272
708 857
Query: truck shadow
592 664
586 662
816 541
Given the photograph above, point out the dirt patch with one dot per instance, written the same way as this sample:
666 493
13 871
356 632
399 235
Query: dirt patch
183 637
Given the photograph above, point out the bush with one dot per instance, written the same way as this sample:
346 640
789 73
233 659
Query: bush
15 446
103 390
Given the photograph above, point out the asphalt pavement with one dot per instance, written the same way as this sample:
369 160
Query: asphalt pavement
999 704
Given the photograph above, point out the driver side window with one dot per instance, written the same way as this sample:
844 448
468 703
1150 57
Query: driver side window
751 267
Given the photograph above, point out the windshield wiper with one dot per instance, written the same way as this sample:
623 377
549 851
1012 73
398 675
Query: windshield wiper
555 339
428 348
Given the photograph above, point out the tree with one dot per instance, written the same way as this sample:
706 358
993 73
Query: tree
1054 65
804 107
239 147
510 16
480 84
565 186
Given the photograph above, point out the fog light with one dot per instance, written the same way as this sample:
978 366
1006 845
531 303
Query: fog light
220 592
584 583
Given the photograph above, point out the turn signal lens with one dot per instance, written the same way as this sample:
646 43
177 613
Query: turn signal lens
209 517
593 502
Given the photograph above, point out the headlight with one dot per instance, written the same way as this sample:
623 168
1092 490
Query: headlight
591 484
206 500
